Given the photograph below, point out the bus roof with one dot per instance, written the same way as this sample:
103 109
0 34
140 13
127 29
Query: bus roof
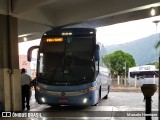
73 31
143 68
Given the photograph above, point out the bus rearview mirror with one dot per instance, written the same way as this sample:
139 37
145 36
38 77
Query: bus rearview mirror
29 52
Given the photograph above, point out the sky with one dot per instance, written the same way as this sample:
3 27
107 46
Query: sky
127 31
114 34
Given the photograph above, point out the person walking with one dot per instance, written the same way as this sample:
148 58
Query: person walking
25 83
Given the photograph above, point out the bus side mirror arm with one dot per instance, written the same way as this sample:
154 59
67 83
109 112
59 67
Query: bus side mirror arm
29 52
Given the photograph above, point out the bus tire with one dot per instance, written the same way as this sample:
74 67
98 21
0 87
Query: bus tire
96 104
108 89
106 97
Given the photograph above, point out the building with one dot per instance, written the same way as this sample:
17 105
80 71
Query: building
29 66
146 74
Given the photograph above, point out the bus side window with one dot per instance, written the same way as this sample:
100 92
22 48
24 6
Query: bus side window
41 62
97 58
96 65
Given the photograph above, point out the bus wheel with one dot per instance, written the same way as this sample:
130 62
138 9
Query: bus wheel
96 104
108 89
99 94
106 97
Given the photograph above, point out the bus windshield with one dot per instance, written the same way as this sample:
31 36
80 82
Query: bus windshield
68 64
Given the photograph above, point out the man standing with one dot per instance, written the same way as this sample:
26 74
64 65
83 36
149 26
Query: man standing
25 82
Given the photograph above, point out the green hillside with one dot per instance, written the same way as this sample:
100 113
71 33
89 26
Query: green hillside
142 50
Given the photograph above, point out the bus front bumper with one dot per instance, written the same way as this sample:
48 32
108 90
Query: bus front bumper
90 98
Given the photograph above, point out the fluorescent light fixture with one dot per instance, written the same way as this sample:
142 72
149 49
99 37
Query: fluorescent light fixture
25 39
153 12
24 35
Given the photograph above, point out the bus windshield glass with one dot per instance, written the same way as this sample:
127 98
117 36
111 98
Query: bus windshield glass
66 61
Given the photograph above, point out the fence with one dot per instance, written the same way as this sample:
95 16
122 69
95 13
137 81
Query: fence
121 81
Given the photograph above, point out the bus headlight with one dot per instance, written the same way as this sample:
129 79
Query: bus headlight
85 100
91 88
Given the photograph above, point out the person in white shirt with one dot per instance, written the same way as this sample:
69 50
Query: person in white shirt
25 83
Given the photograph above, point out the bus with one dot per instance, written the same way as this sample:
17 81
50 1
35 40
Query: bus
146 74
69 68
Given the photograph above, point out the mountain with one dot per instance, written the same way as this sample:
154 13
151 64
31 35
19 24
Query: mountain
142 50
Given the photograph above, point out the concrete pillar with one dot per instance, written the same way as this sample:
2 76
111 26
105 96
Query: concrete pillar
10 88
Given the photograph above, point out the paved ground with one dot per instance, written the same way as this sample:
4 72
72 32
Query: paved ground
119 106
126 89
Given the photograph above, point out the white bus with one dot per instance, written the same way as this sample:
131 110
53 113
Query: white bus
147 74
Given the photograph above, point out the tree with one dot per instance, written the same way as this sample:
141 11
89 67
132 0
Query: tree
116 62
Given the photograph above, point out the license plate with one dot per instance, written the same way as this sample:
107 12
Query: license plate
63 101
